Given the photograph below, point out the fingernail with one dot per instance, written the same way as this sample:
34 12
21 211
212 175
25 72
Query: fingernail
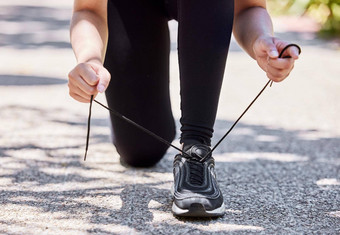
273 54
101 88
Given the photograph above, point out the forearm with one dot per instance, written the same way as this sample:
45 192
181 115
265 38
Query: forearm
88 36
251 24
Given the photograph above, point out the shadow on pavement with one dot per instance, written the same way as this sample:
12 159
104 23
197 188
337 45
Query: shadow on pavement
23 80
274 180
25 27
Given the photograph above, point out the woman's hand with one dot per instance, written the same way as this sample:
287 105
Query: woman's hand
267 49
88 79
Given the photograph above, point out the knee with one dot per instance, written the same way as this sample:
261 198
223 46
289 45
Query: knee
137 149
141 157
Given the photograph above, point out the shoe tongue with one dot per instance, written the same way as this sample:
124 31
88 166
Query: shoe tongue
198 151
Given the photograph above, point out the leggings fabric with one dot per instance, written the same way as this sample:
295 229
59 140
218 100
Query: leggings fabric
137 57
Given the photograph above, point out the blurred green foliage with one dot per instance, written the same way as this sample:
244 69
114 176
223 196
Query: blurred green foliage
326 12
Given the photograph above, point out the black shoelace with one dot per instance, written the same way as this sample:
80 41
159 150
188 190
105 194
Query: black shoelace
117 114
196 173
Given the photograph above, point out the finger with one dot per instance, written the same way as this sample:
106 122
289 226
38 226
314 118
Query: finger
79 98
277 75
293 52
77 90
274 78
265 46
77 81
270 48
87 73
78 94
287 63
104 80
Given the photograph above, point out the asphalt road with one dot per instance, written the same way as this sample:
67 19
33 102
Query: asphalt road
279 170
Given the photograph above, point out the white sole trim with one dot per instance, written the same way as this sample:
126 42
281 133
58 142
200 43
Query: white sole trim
216 212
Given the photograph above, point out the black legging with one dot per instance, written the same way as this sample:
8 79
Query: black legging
137 57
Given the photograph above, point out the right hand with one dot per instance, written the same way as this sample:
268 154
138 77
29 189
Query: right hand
266 49
88 79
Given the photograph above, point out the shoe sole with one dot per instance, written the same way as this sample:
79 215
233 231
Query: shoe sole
196 210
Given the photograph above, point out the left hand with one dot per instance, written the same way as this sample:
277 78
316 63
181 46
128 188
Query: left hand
267 49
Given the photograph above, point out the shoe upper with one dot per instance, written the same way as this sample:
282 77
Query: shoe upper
195 181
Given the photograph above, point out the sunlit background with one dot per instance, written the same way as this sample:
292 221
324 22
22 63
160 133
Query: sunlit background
279 169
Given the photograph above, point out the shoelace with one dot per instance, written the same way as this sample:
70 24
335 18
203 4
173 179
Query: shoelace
117 114
196 166
196 172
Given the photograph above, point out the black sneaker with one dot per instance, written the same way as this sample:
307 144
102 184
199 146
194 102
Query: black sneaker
195 189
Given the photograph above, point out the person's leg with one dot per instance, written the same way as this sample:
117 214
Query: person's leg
204 33
203 41
138 59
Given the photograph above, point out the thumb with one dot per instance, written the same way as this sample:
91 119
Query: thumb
265 46
270 48
104 79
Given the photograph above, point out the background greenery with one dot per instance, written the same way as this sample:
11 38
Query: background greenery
325 12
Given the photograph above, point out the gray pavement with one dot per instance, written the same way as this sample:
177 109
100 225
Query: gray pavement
279 169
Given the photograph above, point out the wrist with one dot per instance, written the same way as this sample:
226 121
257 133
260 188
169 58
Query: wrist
92 60
86 53
97 61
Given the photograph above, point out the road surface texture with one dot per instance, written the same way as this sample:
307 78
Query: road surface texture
279 169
